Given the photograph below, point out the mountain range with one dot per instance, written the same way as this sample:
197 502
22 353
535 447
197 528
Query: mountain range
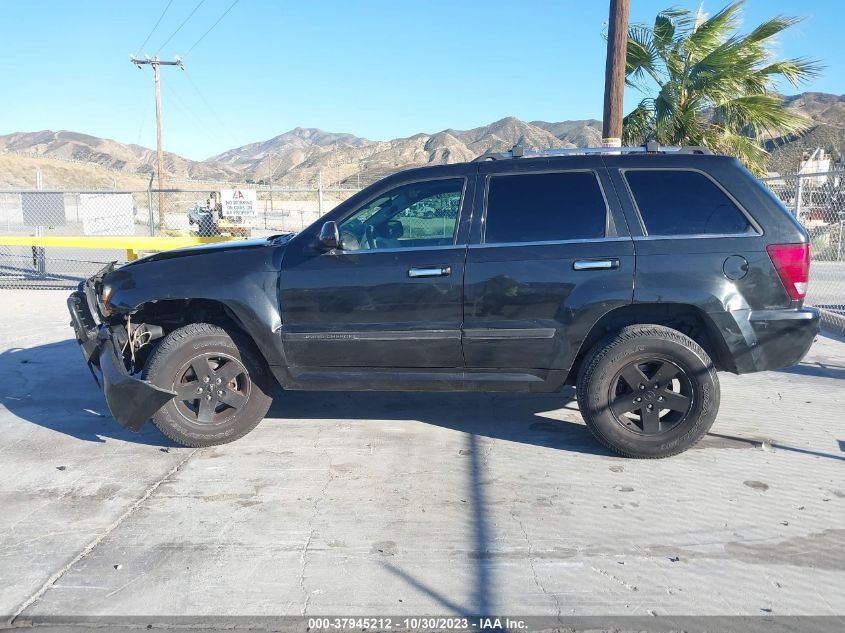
302 155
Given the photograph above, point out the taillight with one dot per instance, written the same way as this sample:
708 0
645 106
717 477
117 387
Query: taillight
792 261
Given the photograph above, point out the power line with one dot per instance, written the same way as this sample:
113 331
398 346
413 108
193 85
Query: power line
208 106
179 28
155 26
143 120
210 28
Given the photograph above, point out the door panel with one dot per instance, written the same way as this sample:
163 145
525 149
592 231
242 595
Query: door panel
527 307
530 305
363 309
391 296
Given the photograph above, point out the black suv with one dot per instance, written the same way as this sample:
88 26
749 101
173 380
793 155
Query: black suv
635 276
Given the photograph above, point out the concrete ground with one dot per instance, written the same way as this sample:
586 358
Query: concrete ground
368 504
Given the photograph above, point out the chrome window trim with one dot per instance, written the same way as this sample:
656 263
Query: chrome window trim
748 217
693 236
409 249
589 240
489 177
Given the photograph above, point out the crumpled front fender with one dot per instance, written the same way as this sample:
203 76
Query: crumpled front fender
131 401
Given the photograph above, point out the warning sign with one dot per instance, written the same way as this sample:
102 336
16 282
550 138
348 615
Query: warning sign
238 202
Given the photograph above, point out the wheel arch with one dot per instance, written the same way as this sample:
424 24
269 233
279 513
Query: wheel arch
685 318
172 314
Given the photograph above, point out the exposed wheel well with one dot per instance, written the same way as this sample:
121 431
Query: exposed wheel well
686 319
172 314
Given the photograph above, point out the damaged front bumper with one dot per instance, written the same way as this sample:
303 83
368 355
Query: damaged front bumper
131 401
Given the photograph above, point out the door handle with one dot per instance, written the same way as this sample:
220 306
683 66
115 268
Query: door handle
595 264
429 271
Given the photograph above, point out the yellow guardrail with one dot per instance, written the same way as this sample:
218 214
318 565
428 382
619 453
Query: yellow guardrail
131 244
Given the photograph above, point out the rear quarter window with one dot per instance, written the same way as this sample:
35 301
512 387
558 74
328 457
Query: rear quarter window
678 202
544 207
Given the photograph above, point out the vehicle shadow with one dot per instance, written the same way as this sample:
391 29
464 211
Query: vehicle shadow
50 386
512 417
816 370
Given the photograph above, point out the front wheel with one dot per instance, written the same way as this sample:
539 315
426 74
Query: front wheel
648 392
222 385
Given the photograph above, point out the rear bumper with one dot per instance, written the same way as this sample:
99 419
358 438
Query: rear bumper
131 401
761 340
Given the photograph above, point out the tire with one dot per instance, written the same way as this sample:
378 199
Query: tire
224 383
642 420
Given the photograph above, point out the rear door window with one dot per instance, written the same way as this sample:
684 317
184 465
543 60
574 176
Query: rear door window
678 202
544 207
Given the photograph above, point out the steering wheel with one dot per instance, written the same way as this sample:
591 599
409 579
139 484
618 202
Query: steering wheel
369 236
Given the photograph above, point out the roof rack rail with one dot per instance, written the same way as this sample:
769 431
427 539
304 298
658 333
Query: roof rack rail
652 147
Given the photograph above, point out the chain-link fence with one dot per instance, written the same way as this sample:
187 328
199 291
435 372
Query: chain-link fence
169 212
818 202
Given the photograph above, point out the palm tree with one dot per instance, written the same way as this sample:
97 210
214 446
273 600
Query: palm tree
714 87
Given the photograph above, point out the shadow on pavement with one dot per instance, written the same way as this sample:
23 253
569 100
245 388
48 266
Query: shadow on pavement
512 417
752 443
480 601
816 370
50 386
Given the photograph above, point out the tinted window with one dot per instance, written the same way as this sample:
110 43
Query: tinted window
417 214
539 207
683 203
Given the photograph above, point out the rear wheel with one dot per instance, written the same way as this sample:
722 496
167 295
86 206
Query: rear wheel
223 388
648 391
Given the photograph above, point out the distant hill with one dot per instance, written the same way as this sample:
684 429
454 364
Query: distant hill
122 157
584 133
827 112
302 154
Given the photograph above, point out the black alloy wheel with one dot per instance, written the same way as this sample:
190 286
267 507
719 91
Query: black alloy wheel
648 391
211 388
222 383
651 396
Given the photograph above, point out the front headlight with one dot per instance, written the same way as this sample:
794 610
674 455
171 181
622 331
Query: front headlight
104 300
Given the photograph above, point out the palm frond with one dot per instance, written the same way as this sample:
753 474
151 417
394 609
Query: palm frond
746 149
770 28
795 70
713 31
638 125
762 113
663 32
642 59
713 86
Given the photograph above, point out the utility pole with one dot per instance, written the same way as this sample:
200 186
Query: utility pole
614 80
155 62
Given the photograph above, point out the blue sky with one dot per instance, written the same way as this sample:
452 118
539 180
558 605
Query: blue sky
375 68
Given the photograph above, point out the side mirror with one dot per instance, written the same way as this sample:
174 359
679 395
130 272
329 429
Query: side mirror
330 236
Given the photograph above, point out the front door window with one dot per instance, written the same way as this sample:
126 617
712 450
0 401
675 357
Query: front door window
413 215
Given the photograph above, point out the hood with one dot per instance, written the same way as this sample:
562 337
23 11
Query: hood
216 247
